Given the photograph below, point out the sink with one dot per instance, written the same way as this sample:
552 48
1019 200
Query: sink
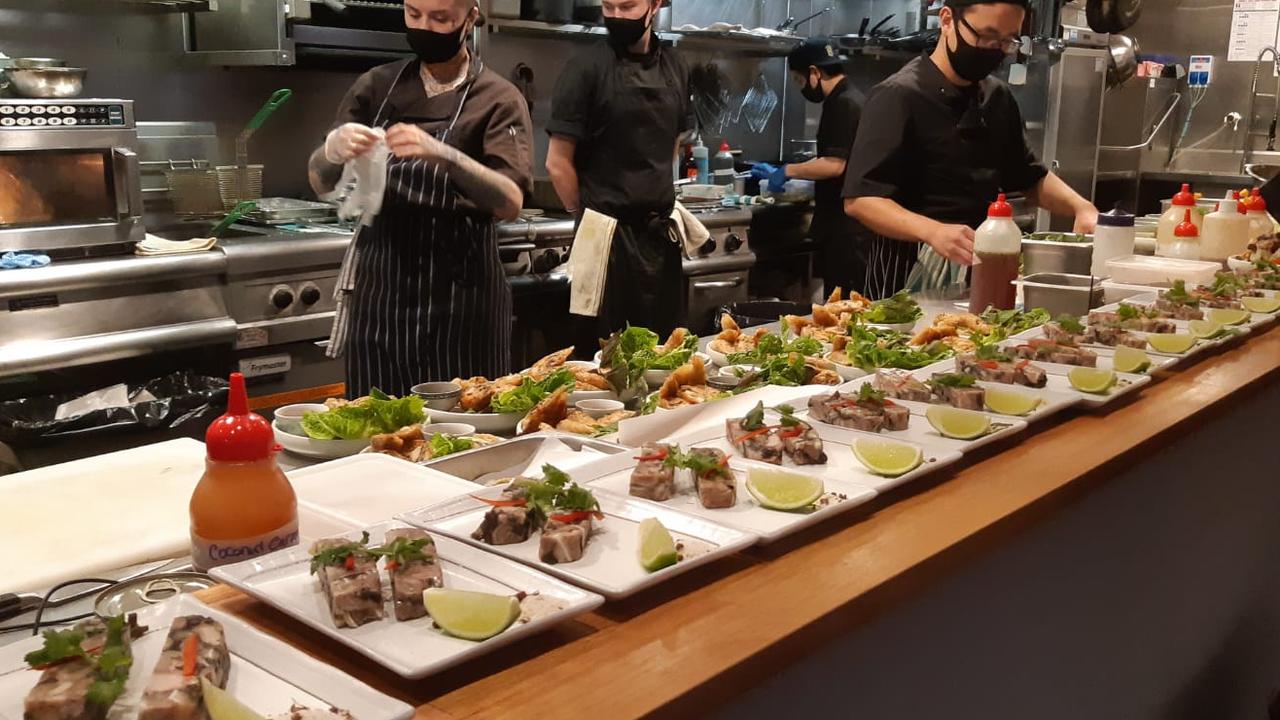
189 229
1261 172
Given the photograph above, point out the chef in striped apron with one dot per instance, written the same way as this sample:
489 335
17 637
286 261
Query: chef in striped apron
422 294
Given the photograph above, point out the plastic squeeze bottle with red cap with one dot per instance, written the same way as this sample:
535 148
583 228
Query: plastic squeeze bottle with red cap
1182 200
1186 238
997 252
243 506
1259 220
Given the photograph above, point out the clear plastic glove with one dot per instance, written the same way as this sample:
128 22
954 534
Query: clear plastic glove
350 140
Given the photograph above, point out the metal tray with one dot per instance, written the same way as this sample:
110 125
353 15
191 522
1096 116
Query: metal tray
474 464
279 211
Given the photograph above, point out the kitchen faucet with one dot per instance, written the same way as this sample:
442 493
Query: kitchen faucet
1253 101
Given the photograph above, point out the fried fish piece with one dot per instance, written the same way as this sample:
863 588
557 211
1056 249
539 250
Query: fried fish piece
548 364
590 380
550 411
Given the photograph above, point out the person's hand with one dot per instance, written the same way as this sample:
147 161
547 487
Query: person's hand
953 242
1086 220
348 141
411 141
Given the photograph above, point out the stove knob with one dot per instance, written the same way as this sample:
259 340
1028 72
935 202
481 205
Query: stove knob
732 242
545 262
707 247
310 295
282 297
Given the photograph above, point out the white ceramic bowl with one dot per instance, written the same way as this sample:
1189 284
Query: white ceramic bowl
905 327
598 408
289 417
449 428
848 372
322 449
492 423
438 395
1238 264
717 358
655 378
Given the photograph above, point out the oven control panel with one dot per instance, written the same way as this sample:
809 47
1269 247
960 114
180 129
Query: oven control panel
38 114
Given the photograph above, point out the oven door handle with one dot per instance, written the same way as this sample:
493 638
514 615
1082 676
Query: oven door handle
717 284
128 181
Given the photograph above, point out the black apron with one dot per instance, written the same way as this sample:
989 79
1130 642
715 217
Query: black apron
431 299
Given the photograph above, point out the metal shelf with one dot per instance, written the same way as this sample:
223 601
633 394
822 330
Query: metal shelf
736 42
141 7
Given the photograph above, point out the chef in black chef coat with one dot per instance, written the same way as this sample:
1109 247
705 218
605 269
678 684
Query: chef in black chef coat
818 71
617 114
938 140
422 293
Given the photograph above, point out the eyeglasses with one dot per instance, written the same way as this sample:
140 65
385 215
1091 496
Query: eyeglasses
992 42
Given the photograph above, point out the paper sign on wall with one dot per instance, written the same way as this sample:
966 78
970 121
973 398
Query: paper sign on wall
1253 27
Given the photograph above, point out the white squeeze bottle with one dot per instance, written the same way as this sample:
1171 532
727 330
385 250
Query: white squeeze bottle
1186 238
1225 231
997 251
1182 200
1260 222
1113 237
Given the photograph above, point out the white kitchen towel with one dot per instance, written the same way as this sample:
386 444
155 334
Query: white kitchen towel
154 245
364 179
589 262
691 231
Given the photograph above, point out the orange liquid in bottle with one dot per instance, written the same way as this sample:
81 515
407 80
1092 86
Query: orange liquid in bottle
243 506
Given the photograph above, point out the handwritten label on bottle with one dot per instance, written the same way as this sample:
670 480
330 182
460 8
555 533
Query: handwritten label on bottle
207 553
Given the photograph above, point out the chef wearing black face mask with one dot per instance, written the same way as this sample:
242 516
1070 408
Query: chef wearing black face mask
818 71
617 114
422 294
938 140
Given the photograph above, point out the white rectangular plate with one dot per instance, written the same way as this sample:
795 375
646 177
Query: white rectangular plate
919 431
611 564
1057 382
1106 358
1199 347
364 489
1255 319
414 648
1051 402
266 674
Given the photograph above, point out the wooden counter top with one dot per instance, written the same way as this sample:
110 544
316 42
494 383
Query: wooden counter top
688 645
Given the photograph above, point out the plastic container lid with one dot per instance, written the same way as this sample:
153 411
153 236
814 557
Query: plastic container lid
1115 218
1184 196
1186 228
239 435
1000 208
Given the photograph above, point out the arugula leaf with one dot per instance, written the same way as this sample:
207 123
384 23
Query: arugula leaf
702 464
553 475
992 352
871 348
1129 312
1015 321
1226 284
771 346
403 551
754 419
1070 323
442 444
377 415
629 352
58 645
900 308
868 395
339 553
556 493
788 414
1178 295
530 392
104 693
953 380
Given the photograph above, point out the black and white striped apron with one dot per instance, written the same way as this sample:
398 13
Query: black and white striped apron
430 299
889 264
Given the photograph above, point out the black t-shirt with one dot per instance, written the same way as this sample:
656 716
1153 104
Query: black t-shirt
841 111
939 150
625 112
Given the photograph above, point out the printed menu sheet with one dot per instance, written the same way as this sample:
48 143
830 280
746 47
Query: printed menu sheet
1253 27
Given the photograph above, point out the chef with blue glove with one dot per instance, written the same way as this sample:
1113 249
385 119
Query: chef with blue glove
819 73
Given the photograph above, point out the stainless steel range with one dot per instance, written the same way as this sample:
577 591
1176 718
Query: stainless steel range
721 272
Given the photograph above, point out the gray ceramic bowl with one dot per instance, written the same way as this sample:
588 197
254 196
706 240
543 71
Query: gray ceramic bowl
438 395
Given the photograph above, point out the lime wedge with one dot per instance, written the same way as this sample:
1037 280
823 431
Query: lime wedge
1261 304
1227 316
1205 329
956 423
782 490
1009 402
657 547
221 706
1091 380
470 615
1131 360
1175 344
887 457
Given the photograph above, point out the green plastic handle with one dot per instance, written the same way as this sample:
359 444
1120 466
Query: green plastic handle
236 213
277 99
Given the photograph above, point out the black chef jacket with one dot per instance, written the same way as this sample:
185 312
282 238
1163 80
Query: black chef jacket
938 150
625 112
842 262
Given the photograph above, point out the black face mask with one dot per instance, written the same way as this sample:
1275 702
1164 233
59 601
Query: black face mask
813 93
433 47
625 32
970 61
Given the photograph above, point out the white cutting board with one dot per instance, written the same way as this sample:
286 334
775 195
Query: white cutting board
75 519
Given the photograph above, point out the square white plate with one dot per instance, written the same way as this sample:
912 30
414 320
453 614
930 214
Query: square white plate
266 674
611 564
747 514
364 489
1057 382
919 431
414 648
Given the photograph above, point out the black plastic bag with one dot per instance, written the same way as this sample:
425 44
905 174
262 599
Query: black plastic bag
178 397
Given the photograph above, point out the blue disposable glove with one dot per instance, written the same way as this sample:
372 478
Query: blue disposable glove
778 179
762 171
